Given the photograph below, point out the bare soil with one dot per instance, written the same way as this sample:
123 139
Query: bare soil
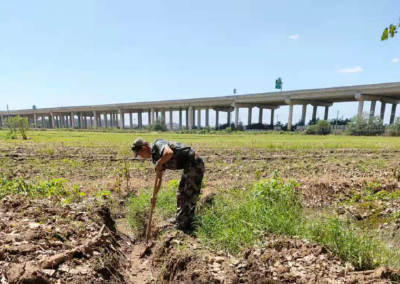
44 241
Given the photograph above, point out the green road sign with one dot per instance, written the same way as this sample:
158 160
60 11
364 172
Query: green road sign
278 83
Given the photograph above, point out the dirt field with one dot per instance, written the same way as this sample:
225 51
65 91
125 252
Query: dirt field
64 201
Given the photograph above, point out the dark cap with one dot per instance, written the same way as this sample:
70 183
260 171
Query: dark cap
137 145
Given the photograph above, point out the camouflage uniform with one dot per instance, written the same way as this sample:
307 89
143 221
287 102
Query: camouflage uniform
190 185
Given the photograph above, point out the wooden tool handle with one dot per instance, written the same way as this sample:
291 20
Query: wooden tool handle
157 185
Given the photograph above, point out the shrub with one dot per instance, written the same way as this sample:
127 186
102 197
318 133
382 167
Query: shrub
339 121
226 125
159 125
313 121
259 126
393 129
365 125
15 124
321 128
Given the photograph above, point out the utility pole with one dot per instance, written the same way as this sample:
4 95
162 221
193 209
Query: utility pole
337 118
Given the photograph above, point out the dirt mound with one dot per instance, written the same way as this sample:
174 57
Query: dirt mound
179 258
286 260
184 260
44 243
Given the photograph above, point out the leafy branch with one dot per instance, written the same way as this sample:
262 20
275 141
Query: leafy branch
390 31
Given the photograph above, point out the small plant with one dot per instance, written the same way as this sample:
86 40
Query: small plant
122 172
103 193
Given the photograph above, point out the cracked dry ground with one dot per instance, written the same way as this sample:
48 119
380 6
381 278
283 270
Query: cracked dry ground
43 241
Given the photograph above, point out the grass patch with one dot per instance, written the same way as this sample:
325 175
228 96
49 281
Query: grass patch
270 141
41 189
238 219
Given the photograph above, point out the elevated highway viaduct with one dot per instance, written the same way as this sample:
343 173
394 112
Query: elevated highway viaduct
113 115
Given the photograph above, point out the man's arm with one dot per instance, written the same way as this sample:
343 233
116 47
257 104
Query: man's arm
166 156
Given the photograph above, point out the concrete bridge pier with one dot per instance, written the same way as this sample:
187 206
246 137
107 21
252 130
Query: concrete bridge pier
163 115
99 124
130 120
249 116
193 117
51 118
360 107
171 113
272 117
190 118
260 115
121 118
326 113
78 116
290 116
303 114
372 109
199 118
393 113
383 108
229 120
151 117
236 116
180 119
35 120
314 113
95 119
207 116
140 119
216 119
187 118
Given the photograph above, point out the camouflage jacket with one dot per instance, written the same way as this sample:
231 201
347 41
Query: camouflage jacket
181 158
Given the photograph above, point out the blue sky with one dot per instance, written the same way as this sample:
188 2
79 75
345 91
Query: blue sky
61 53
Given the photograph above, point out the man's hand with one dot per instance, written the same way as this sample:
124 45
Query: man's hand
158 167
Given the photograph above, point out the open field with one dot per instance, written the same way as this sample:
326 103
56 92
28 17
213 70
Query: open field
276 208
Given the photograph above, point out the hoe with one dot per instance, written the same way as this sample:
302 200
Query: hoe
157 185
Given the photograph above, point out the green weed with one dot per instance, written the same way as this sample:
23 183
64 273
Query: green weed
41 189
272 206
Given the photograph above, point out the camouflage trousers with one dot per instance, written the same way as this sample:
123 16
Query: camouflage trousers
188 193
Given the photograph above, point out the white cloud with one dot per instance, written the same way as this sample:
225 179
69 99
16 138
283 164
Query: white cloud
395 60
294 37
356 69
